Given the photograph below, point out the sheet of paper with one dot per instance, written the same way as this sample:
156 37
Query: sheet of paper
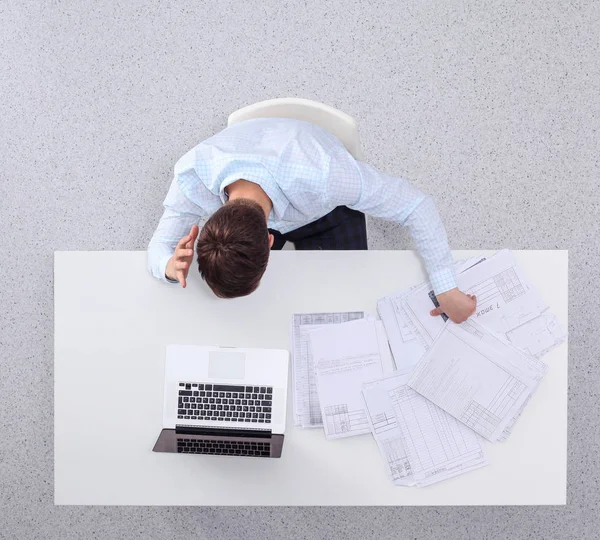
346 356
406 346
420 444
385 427
417 305
508 304
532 367
473 381
307 412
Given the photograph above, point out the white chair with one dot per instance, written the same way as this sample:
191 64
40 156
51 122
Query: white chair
340 124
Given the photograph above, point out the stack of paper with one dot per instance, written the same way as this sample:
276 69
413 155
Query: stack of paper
307 412
420 444
442 387
346 356
511 318
507 304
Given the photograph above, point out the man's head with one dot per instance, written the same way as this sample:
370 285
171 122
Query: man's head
233 248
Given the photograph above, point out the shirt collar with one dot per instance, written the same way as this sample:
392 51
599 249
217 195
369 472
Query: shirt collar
269 186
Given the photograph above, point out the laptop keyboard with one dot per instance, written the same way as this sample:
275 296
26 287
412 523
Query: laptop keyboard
224 447
225 403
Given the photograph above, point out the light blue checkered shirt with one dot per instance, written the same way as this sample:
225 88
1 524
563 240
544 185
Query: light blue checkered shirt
306 172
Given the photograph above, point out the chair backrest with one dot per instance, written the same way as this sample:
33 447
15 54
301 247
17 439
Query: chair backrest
340 124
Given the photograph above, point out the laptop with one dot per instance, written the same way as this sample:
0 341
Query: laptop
224 401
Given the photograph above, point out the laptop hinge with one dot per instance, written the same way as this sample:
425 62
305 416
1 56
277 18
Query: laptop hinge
223 432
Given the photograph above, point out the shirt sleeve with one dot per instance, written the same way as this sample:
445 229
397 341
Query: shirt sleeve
179 216
362 187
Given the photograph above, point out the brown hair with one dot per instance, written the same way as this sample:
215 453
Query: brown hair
233 249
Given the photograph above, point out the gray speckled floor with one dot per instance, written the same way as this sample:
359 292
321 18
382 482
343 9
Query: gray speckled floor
493 108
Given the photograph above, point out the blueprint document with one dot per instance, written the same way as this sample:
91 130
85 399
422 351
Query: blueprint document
531 367
307 412
481 381
346 356
405 342
420 444
508 304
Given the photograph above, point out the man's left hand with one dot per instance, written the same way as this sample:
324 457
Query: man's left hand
456 305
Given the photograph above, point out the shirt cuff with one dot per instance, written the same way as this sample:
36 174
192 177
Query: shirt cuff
162 268
443 280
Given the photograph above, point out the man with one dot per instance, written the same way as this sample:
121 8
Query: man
270 180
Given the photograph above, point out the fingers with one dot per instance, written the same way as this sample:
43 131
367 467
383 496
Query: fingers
180 275
191 238
182 266
188 240
183 252
182 269
474 298
182 243
436 311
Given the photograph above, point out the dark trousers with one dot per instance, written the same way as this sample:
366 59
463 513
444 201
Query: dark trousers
342 228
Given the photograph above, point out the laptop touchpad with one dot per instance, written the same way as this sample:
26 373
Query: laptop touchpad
226 365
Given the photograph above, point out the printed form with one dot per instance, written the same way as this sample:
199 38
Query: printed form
476 383
420 443
346 356
507 303
407 347
307 412
529 365
385 428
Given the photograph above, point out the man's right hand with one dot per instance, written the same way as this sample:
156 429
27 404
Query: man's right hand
179 264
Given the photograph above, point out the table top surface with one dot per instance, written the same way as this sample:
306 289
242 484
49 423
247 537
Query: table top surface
113 320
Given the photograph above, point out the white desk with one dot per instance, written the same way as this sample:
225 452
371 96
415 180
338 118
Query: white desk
112 322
